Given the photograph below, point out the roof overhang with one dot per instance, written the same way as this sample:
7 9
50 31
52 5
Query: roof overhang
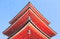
23 20
29 5
29 31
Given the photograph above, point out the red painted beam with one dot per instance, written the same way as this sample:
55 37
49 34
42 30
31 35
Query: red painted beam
29 32
29 5
37 21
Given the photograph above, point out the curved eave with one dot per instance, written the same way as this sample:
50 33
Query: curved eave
40 24
29 26
29 5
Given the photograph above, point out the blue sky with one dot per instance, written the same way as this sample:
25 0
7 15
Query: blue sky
49 8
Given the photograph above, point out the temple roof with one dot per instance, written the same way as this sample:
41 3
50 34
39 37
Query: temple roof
29 31
29 5
30 14
23 20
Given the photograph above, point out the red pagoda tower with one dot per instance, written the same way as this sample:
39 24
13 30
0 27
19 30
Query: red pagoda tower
29 24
